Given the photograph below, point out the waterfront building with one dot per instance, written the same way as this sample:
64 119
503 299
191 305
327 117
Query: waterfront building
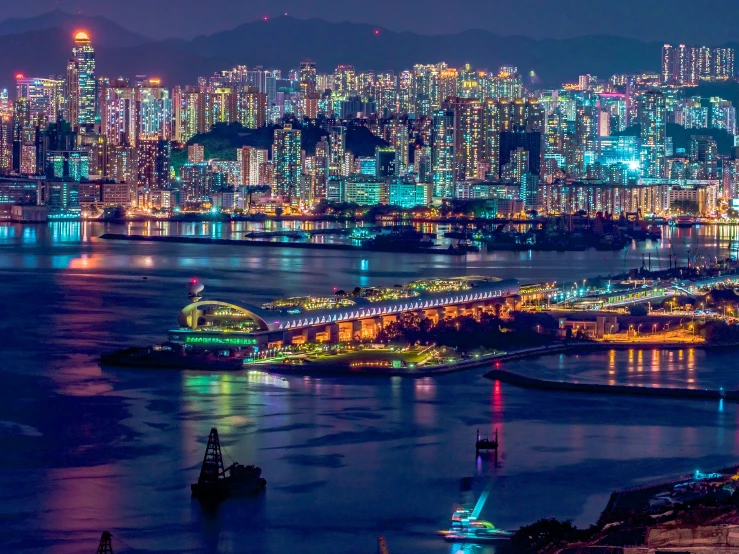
406 193
365 190
336 319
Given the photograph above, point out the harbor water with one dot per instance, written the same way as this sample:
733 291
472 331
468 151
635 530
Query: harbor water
346 459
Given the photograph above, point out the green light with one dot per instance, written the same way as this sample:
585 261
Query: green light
220 340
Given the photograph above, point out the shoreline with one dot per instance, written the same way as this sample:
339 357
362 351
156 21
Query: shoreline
270 244
319 369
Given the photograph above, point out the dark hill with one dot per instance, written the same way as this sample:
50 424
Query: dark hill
104 31
681 136
223 140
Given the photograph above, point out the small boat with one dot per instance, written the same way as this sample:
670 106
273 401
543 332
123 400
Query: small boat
467 528
684 221
464 246
217 483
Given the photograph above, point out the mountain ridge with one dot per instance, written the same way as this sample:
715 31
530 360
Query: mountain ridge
43 52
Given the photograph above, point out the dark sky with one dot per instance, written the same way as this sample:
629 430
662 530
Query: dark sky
712 22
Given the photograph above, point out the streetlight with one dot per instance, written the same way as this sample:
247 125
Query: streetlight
638 329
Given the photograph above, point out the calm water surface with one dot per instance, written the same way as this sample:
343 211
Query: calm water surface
346 459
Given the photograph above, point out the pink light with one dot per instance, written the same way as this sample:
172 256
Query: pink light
265 18
377 31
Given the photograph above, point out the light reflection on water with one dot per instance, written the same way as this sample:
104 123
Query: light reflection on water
346 459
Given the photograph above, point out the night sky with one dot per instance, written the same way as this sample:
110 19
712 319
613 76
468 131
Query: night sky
650 20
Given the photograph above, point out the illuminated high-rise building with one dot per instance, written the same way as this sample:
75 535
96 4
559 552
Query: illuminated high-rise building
72 93
443 153
399 141
406 101
680 65
508 84
491 133
5 107
287 160
155 111
84 59
308 77
6 143
251 107
251 161
337 142
468 121
704 151
321 167
653 115
119 115
45 97
152 157
722 67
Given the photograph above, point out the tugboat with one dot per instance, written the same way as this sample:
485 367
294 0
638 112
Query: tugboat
216 483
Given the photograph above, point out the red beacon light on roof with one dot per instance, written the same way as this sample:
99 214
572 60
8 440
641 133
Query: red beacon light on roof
195 290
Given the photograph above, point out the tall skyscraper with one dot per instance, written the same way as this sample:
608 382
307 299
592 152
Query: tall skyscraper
287 160
84 59
155 110
337 142
653 114
399 141
468 130
443 153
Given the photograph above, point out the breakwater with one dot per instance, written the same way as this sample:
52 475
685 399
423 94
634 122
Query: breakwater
271 244
522 381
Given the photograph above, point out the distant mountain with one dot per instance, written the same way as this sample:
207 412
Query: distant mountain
104 31
285 41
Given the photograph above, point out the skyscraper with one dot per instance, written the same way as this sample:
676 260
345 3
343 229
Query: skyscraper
443 153
653 114
468 131
337 142
287 159
399 141
84 59
680 65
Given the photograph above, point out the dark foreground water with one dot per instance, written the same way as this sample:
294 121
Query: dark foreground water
346 459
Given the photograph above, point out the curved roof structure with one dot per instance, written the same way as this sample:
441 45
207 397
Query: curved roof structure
275 320
186 312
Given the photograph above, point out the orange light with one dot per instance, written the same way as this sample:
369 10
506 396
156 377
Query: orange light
19 75
81 35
